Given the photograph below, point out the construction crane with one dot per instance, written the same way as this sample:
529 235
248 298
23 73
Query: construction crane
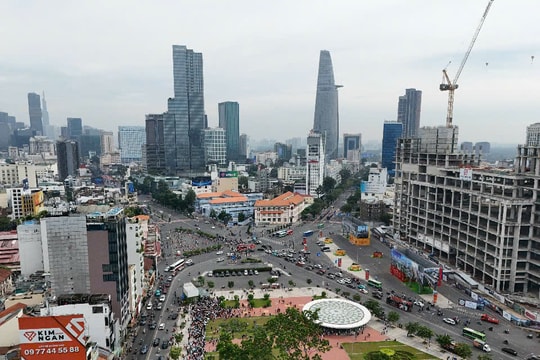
451 86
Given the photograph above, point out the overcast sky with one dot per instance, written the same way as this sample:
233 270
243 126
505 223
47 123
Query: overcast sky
110 61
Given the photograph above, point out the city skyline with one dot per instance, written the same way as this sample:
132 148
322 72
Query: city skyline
117 81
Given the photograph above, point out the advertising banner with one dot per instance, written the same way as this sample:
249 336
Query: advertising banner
53 337
228 174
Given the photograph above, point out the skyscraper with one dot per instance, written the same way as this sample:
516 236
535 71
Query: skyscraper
74 128
155 145
244 146
352 144
315 163
215 146
391 133
533 135
130 141
409 106
326 106
45 116
185 119
34 111
67 152
229 119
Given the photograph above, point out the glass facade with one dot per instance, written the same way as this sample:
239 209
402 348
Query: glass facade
130 141
391 133
215 146
34 111
229 119
409 107
326 120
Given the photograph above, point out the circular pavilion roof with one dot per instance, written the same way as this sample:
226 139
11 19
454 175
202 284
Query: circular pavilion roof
339 313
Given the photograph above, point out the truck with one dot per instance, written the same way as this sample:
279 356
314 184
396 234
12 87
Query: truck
491 319
479 344
398 302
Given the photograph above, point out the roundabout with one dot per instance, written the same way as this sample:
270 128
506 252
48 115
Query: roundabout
339 313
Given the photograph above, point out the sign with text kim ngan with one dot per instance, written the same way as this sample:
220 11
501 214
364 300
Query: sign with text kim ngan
53 337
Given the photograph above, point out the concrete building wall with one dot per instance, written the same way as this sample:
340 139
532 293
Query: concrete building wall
30 248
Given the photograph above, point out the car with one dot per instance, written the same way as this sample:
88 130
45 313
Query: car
149 306
250 272
361 286
159 306
220 252
246 273
331 276
255 272
213 227
449 321
321 271
169 278
363 291
162 298
156 342
173 316
491 319
227 273
161 326
142 322
189 262
164 344
317 266
144 349
220 259
341 281
509 351
347 280
153 325
210 274
300 263
309 267
419 303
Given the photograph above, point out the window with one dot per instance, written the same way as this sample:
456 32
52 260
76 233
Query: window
97 310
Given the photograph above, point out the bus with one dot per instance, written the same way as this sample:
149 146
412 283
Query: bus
177 266
474 334
375 283
308 233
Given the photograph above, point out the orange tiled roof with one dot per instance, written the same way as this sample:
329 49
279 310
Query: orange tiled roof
228 200
209 195
4 274
232 193
10 310
143 217
285 199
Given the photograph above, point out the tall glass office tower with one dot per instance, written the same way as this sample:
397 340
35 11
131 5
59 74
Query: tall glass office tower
34 111
184 121
391 133
229 119
326 106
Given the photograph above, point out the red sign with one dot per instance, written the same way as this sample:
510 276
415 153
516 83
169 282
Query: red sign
53 337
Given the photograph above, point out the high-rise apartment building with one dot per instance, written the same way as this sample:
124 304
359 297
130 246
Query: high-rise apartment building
74 128
392 131
533 135
215 146
315 156
45 117
185 119
155 144
283 151
244 146
229 119
34 110
483 221
107 142
130 142
409 107
67 152
352 144
326 120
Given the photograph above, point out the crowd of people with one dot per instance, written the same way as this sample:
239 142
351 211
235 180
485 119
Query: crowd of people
203 311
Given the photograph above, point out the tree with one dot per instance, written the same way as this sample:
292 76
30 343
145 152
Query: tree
213 214
224 216
296 335
375 308
484 357
175 353
424 332
463 350
328 184
345 175
443 340
412 328
6 224
189 201
241 217
393 316
346 208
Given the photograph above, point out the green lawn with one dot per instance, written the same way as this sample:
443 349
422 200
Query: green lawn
356 351
259 303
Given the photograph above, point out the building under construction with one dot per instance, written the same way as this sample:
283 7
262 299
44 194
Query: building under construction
483 220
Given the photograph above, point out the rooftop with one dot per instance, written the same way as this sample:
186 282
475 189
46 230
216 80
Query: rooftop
339 313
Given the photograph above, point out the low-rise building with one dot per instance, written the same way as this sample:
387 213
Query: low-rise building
283 209
232 202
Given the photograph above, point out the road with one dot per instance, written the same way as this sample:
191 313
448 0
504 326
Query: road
301 277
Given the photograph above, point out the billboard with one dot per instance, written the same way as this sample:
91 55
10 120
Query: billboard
201 181
53 337
228 174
